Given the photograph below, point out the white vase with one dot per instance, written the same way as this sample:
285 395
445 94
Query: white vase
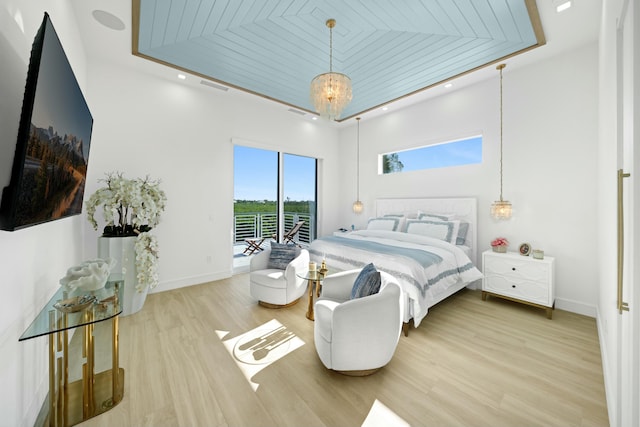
122 250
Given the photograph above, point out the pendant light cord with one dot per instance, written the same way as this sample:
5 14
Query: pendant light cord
358 162
330 49
500 67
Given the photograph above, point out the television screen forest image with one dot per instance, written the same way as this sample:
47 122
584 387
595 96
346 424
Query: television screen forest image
53 177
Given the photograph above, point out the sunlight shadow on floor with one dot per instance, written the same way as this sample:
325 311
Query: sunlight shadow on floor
381 416
258 348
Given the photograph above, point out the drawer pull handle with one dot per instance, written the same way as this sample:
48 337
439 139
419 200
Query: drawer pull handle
513 286
513 268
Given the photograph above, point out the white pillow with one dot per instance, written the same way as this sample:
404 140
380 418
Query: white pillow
436 216
384 223
401 221
443 230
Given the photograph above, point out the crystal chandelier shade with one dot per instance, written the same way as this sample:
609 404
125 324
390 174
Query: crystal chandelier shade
501 209
330 92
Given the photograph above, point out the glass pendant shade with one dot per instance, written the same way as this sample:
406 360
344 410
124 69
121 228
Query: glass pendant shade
330 94
358 207
501 209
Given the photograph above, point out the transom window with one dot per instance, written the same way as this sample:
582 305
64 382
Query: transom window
460 152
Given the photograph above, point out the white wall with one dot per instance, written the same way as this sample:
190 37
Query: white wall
171 131
550 136
34 259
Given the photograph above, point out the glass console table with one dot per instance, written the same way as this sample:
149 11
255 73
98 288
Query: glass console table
72 353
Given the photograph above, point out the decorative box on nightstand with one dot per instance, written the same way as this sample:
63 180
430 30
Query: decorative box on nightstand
519 278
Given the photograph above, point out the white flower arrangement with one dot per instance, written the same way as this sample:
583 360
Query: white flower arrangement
146 248
131 207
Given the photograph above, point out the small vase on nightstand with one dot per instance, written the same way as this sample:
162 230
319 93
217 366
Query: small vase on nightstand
499 249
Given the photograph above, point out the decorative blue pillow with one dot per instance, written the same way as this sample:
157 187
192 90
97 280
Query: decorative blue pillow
281 255
367 283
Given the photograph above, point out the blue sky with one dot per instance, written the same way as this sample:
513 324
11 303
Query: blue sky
455 153
255 175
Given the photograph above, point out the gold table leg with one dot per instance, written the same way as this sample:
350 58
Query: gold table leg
312 286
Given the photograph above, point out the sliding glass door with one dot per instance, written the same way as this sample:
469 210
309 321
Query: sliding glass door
273 191
299 195
255 193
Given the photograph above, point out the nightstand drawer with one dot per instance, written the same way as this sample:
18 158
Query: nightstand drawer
538 292
517 269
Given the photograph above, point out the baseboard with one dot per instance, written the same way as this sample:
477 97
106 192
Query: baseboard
190 281
609 383
576 307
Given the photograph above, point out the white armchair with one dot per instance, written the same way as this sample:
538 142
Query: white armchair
275 288
357 336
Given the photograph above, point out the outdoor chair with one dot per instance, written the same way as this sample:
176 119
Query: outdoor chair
289 235
255 244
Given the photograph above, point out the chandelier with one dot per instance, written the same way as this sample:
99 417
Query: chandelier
330 92
357 205
501 209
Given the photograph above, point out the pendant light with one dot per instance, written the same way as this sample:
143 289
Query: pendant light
358 207
501 209
330 92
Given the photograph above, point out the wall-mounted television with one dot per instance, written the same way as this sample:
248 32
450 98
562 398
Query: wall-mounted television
54 136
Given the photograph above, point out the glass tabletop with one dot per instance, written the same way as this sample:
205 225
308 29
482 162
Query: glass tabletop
56 316
314 275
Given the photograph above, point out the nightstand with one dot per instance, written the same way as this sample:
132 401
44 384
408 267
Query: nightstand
341 233
519 278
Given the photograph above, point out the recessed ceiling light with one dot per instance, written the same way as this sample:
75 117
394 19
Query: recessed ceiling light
385 108
182 76
109 20
563 5
314 118
448 85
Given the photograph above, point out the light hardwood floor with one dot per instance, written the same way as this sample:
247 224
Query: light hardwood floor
470 363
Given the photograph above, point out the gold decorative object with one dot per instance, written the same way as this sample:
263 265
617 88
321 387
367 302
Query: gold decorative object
75 304
323 268
501 209
330 92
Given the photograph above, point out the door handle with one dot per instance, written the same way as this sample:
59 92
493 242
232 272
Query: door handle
622 306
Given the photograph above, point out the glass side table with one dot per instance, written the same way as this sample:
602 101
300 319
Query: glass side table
315 285
70 403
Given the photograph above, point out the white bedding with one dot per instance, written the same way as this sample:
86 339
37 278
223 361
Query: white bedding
422 281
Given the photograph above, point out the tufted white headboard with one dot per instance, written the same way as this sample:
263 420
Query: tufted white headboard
464 209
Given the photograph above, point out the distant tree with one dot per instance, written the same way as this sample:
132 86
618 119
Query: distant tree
391 163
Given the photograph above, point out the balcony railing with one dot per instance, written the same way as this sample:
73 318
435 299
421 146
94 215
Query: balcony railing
255 224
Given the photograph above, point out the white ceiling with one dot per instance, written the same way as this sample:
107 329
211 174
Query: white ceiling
274 48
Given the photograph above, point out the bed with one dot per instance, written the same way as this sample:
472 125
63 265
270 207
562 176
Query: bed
429 245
